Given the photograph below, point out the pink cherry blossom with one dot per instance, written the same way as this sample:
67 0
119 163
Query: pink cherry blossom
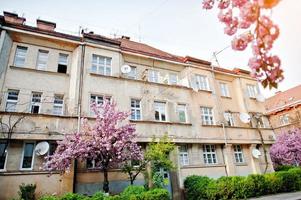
287 148
108 141
246 15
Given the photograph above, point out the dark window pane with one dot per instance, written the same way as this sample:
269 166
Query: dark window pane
27 157
62 68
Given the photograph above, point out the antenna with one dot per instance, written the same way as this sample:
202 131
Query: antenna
125 69
256 153
42 148
244 117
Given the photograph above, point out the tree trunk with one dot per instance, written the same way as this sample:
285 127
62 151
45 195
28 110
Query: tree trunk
105 181
132 181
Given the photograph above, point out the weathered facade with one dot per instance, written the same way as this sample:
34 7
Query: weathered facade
284 110
48 80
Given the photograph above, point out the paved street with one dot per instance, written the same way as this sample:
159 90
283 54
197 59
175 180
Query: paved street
284 196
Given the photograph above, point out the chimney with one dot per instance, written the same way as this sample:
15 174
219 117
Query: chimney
13 18
45 25
125 37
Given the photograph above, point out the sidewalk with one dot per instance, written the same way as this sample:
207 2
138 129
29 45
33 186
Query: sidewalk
283 196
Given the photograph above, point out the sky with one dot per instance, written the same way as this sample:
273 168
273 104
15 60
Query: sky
180 27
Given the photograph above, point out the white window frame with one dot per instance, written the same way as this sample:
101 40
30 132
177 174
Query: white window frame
33 156
202 82
207 115
173 79
20 55
42 64
160 107
252 91
11 101
284 120
58 105
135 110
6 155
93 165
99 101
39 104
182 108
238 154
107 68
183 155
153 76
231 121
133 73
224 89
63 63
211 153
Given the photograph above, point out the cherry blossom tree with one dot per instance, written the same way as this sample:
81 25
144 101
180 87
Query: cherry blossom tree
108 141
248 21
287 149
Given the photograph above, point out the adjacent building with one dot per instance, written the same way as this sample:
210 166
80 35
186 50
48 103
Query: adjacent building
284 110
48 80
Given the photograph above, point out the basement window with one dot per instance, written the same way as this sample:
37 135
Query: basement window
62 64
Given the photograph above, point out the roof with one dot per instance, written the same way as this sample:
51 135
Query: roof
284 100
141 48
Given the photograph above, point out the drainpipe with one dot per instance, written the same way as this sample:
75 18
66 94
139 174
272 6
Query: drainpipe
79 110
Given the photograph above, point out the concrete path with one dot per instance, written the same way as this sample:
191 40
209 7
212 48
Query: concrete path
284 196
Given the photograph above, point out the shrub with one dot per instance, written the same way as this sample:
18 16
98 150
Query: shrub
49 197
156 194
27 191
284 167
273 183
289 180
132 192
195 187
73 196
258 181
98 196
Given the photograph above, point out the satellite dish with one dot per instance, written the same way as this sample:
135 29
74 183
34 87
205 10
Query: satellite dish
260 98
226 116
256 153
125 69
244 117
42 148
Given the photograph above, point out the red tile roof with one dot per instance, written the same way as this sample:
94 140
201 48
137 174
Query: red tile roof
141 48
284 100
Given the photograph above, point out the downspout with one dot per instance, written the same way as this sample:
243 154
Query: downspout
79 110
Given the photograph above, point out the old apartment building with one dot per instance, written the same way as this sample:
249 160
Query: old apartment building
284 110
48 80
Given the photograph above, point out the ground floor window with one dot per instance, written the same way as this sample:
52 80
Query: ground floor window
209 154
238 154
28 155
3 153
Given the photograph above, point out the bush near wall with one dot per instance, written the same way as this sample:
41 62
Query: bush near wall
238 187
130 193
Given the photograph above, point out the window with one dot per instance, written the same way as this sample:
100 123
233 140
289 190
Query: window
133 73
62 64
181 110
252 91
28 155
58 105
153 76
160 111
101 65
173 79
202 82
238 154
284 119
135 109
12 100
183 155
20 56
207 116
98 99
35 102
224 90
42 60
91 164
229 118
3 155
209 154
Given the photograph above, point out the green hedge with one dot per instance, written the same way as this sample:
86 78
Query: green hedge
130 193
237 187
